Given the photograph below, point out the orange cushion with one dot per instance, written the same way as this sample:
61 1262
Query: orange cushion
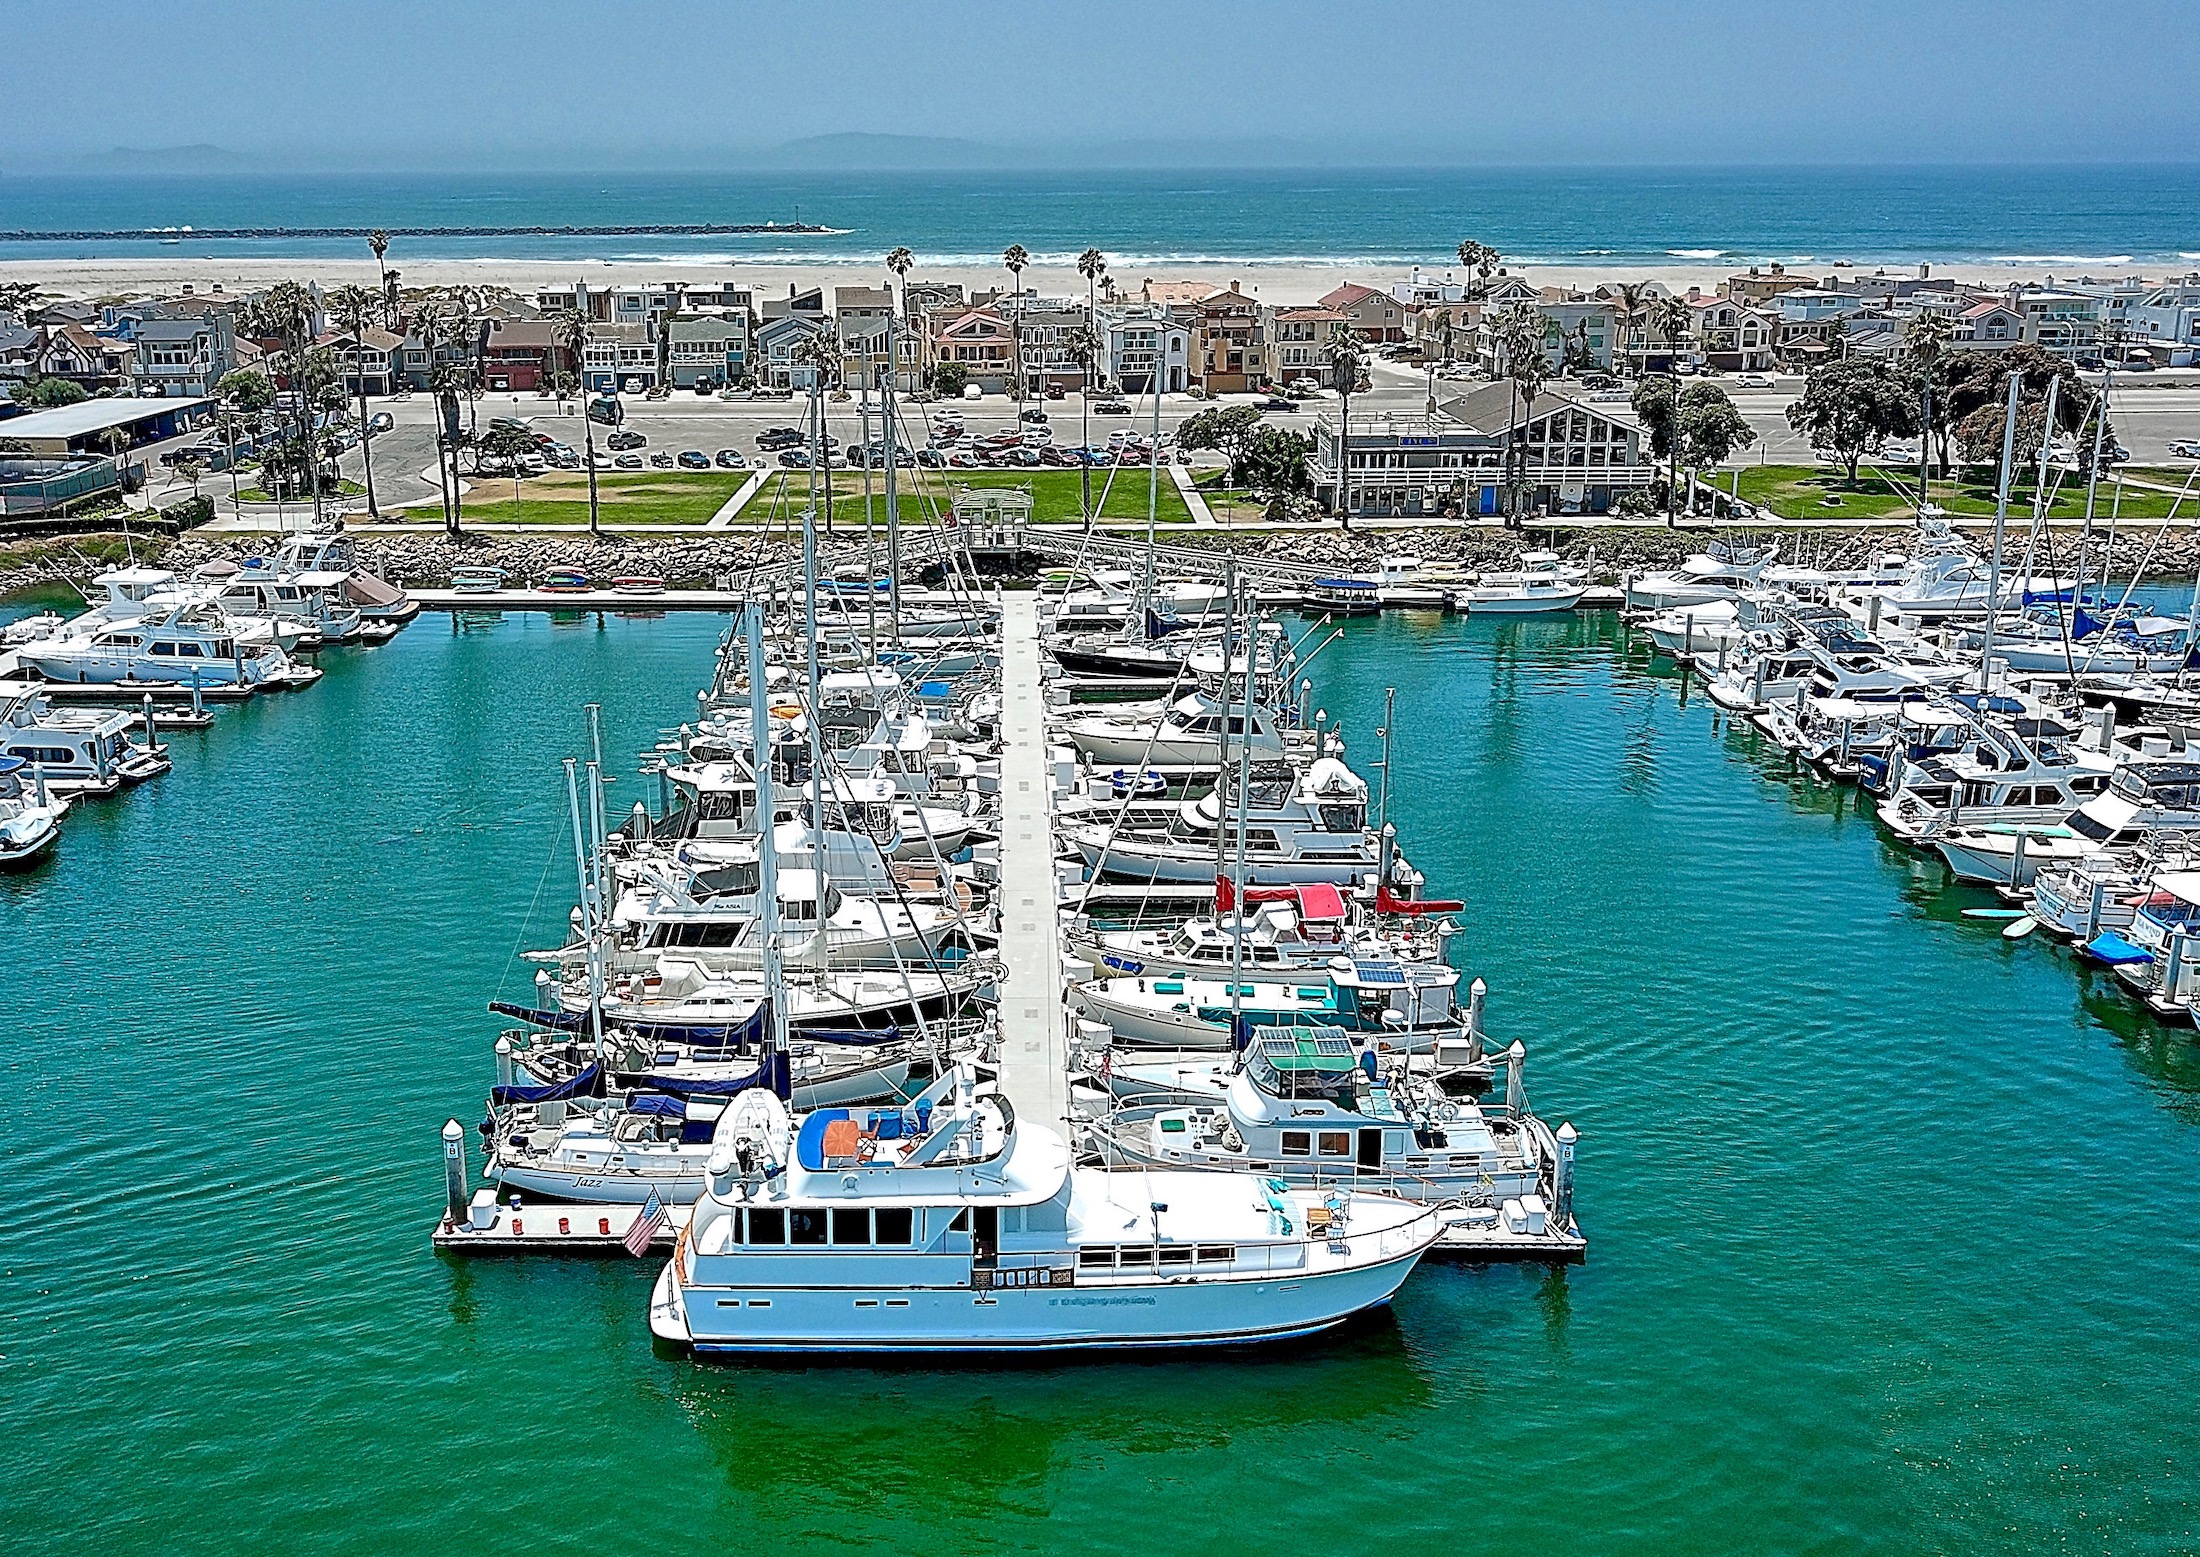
841 1137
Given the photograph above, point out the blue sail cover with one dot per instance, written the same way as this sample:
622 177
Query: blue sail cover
589 1083
773 1073
1160 626
727 1036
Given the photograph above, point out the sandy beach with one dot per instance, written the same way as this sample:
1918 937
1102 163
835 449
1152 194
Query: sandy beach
1271 283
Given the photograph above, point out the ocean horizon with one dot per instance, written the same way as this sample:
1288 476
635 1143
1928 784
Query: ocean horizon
2114 215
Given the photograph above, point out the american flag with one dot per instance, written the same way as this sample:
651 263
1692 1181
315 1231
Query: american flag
645 1226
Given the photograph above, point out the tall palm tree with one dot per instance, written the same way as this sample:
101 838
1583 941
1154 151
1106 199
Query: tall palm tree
1016 257
1083 345
285 313
900 261
820 353
1481 261
1347 360
465 333
1629 301
379 241
1672 317
1092 265
571 331
1926 342
354 309
1519 332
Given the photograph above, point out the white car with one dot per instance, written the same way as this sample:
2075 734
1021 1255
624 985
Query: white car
1753 381
2185 448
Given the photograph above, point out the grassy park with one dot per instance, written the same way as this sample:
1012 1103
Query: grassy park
1820 492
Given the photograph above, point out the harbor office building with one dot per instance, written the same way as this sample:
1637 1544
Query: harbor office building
1578 458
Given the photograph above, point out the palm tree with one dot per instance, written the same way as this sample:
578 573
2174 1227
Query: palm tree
1092 265
1630 299
1520 333
1016 257
1926 341
353 308
379 241
285 313
1672 316
818 352
900 261
465 331
1347 361
572 333
1480 260
1083 345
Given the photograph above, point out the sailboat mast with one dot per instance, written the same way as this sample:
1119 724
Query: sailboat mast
767 843
590 909
2001 519
1244 788
889 418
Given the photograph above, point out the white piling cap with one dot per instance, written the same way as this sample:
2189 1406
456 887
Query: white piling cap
453 1131
1566 1134
504 1047
1519 1051
1478 987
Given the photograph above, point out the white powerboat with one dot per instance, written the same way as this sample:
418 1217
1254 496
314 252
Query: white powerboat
184 645
1540 583
76 751
1406 1006
950 1225
30 815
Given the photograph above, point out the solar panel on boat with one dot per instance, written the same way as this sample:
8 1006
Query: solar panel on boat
1380 972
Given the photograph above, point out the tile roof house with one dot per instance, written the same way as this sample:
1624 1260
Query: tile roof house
523 355
1378 316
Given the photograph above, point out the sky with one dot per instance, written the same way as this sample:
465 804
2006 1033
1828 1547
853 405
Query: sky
675 85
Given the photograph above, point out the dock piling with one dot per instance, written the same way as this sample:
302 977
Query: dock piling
1516 1059
1562 1175
504 1062
152 728
1477 992
454 1169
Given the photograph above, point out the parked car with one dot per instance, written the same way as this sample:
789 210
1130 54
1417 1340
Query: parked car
774 438
381 422
796 459
1055 392
694 459
1112 408
732 459
1753 381
1609 397
662 459
706 386
1035 414
630 462
932 459
973 392
619 442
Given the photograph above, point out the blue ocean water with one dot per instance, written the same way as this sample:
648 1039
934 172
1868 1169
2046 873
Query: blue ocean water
2099 215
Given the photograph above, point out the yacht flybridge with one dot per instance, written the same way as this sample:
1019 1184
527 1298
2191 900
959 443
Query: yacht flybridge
948 1224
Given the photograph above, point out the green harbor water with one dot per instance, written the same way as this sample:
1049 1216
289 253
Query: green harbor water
1893 1222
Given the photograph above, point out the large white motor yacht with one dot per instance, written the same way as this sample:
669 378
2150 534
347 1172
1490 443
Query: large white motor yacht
949 1225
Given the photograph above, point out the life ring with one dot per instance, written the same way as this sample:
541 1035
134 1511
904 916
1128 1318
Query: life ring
1447 1112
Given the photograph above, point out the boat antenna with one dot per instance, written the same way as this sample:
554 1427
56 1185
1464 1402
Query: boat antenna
767 843
2001 519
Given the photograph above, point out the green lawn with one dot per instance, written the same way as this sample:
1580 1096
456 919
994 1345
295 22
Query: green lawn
623 497
1801 492
1056 497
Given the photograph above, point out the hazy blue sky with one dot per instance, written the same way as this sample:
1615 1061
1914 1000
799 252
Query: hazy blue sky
408 83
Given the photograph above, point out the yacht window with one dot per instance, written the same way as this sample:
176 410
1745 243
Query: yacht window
806 1226
1176 1256
2047 795
851 1226
961 1224
165 650
2086 827
1095 1259
190 651
893 1224
1341 819
1134 1255
2089 784
1336 1143
1216 1254
739 1233
767 1224
1297 1143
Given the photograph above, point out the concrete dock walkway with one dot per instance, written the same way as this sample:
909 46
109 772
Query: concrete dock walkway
1034 1047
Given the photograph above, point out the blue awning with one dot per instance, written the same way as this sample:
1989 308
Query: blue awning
2113 949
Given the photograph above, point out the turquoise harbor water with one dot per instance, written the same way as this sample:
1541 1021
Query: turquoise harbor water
1893 1223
